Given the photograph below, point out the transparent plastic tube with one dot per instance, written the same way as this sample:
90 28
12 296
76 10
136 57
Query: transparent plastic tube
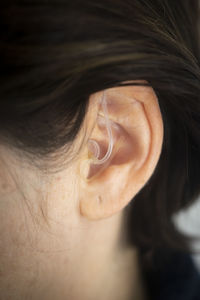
95 159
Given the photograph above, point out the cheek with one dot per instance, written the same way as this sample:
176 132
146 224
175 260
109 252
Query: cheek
32 257
17 261
23 265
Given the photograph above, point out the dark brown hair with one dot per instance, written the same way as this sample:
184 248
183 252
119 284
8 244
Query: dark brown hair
54 54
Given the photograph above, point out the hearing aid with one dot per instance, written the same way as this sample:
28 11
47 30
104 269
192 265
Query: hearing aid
93 146
94 157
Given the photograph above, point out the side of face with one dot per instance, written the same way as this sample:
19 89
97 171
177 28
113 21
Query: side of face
50 222
39 230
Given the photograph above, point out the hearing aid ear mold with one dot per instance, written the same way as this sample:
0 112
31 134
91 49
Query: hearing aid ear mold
94 149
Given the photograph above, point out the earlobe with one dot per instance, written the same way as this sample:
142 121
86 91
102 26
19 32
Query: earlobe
137 133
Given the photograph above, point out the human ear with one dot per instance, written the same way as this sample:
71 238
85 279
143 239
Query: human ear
137 132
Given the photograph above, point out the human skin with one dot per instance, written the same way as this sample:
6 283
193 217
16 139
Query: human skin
61 235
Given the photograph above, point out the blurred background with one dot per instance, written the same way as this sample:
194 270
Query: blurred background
189 221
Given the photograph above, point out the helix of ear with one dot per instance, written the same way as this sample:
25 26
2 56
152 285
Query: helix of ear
93 156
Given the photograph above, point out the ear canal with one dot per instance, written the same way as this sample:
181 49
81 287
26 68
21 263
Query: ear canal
94 149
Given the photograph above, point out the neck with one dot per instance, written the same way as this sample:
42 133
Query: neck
106 270
123 280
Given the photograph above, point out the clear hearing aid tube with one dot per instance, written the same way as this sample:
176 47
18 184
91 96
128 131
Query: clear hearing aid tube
95 159
94 154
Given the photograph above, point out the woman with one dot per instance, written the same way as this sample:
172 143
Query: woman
100 126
